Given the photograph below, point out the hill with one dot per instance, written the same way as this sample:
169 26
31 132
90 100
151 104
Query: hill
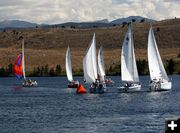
82 25
130 18
48 45
16 24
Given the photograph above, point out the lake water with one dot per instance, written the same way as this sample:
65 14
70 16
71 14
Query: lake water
53 108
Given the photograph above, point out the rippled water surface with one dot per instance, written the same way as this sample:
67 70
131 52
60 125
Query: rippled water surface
53 108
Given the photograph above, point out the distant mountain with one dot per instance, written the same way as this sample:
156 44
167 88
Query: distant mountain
17 24
81 25
130 18
102 21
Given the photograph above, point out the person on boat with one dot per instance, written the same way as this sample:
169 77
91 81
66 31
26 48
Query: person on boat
30 82
97 82
110 80
77 82
127 84
35 82
92 85
100 86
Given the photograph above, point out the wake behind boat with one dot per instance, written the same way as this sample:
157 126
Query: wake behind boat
129 73
90 69
159 79
71 82
19 69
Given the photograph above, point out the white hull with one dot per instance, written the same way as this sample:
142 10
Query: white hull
30 84
161 86
134 87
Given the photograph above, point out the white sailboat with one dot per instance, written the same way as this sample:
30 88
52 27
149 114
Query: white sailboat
19 69
101 69
129 73
90 68
159 78
72 83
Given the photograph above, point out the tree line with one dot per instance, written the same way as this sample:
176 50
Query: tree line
40 71
171 67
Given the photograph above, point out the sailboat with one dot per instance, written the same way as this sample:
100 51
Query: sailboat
159 79
101 69
129 73
90 69
19 69
71 82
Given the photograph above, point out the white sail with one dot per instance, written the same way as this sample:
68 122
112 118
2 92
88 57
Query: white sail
90 63
23 61
68 65
156 67
101 71
128 60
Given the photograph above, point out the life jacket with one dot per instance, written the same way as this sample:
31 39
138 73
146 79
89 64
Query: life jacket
81 89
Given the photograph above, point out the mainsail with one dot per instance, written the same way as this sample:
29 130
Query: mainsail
19 66
156 67
129 71
90 63
101 71
23 60
68 65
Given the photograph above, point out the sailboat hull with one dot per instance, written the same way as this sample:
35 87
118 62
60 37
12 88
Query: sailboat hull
100 89
134 87
161 86
73 84
29 84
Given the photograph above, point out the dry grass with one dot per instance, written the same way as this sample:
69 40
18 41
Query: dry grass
48 46
53 57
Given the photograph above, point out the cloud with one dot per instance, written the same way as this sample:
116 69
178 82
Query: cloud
172 1
58 11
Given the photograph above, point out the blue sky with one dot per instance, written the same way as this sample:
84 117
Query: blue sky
59 11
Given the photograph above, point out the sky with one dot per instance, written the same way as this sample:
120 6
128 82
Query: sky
60 11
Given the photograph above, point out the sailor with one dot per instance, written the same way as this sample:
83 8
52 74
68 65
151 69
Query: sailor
35 82
77 82
97 82
126 84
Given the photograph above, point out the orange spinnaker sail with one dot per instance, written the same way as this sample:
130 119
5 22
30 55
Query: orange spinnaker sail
81 89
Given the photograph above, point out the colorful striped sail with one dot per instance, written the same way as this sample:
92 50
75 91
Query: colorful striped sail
18 67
